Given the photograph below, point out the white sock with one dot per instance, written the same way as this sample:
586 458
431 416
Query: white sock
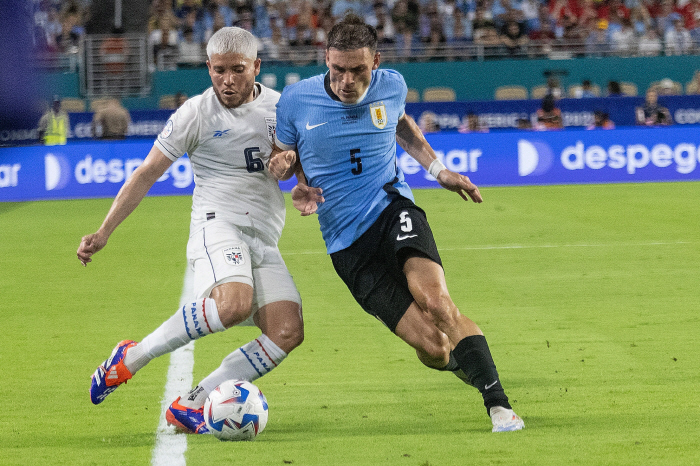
192 321
195 398
249 362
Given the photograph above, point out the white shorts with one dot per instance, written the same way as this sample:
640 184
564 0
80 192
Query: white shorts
222 252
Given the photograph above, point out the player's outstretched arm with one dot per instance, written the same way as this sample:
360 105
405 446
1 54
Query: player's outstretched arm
460 184
410 137
128 198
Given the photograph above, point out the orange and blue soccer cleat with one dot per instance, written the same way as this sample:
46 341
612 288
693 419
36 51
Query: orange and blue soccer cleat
186 420
111 374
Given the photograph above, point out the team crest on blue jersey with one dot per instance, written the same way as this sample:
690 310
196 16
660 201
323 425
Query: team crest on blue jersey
221 133
271 123
378 112
234 256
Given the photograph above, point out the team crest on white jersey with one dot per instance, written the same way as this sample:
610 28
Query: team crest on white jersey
271 123
168 130
378 112
234 256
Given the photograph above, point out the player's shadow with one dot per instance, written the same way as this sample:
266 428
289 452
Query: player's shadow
10 206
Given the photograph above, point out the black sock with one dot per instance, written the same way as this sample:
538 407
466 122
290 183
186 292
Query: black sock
474 358
451 364
453 367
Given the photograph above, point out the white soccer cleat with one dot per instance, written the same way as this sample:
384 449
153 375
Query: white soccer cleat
505 420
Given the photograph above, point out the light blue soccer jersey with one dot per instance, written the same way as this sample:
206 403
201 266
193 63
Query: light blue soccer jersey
348 150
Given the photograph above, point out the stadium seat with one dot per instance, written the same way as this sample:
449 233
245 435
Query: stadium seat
629 89
412 96
439 94
96 104
72 104
574 90
538 92
511 93
692 87
167 102
667 87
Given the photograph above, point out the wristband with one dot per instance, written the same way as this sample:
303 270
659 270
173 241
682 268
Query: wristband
435 168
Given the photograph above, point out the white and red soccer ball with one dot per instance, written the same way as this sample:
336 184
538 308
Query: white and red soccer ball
236 410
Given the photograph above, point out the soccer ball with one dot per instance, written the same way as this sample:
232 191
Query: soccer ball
235 410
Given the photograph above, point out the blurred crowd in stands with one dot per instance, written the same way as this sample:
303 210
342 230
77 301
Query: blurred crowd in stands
506 27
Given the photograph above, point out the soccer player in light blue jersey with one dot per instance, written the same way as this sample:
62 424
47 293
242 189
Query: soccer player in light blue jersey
338 133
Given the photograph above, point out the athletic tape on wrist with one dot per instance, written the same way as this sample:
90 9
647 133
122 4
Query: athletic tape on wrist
435 168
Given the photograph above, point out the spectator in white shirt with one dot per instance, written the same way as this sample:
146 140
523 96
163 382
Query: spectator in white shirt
650 44
677 38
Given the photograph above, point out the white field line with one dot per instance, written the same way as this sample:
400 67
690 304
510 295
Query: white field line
526 246
171 447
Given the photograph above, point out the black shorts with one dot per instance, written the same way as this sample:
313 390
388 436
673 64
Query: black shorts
372 267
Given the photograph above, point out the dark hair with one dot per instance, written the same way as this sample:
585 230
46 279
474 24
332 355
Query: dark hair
548 103
614 87
352 33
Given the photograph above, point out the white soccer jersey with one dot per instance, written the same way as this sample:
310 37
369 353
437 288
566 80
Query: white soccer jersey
229 150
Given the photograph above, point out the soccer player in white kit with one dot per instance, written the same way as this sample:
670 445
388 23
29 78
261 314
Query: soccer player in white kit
237 218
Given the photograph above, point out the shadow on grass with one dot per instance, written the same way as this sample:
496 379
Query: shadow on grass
6 207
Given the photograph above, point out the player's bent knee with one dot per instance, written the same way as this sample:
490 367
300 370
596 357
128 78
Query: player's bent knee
288 338
234 301
283 323
233 312
287 334
441 309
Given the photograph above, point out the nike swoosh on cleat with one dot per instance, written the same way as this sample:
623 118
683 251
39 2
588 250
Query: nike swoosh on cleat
401 238
490 385
308 126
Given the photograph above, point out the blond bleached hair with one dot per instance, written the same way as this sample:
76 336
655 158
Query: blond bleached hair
233 40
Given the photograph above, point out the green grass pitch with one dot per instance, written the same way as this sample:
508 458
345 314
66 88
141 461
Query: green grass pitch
588 295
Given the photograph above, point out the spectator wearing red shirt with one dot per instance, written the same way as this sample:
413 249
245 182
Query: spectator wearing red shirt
605 11
691 17
653 7
545 35
563 10
588 13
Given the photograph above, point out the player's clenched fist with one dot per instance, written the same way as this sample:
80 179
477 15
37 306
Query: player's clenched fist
282 164
89 246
